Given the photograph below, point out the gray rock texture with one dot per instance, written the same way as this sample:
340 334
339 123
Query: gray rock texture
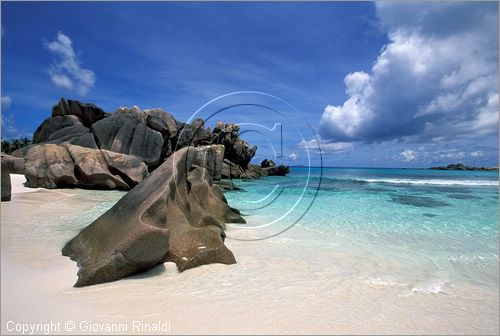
176 214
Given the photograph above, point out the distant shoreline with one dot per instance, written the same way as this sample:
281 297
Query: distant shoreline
416 168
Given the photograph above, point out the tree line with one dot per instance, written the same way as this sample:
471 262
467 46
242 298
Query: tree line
8 146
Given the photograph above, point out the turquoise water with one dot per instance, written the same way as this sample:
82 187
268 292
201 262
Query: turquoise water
405 224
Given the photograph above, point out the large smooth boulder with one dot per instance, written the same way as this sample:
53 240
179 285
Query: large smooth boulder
123 133
211 158
161 121
84 140
92 169
5 181
58 127
176 214
58 166
87 113
49 166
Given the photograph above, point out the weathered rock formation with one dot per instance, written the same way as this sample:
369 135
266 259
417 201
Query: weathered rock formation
55 166
231 170
237 150
5 181
461 166
124 133
176 214
87 113
14 165
150 136
255 171
10 165
267 163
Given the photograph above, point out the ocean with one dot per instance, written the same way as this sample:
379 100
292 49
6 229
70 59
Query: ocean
436 228
325 251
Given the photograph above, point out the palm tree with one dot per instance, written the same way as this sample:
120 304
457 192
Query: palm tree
8 146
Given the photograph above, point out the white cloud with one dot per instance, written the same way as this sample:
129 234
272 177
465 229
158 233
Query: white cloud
292 156
6 102
66 71
326 146
437 76
476 153
408 155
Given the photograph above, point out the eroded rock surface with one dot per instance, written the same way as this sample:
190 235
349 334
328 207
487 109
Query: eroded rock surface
5 181
176 214
125 133
58 166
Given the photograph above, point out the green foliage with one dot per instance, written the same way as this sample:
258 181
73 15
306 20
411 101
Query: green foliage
8 146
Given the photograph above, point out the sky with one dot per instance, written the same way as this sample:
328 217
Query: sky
366 84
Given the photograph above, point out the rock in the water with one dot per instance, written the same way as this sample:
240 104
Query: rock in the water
176 214
249 175
257 170
123 133
87 113
267 163
55 166
227 185
278 170
5 181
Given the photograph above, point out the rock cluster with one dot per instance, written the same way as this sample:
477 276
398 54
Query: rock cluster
461 166
55 166
176 214
150 136
10 165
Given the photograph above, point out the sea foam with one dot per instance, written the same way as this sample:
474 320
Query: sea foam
432 181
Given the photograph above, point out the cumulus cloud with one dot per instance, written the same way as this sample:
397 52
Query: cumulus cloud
436 78
325 146
292 156
6 102
66 71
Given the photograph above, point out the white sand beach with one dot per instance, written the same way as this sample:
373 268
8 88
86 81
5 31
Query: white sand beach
293 284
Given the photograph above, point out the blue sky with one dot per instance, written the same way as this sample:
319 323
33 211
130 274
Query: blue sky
375 84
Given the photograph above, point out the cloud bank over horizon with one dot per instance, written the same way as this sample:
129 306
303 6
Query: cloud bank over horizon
436 79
